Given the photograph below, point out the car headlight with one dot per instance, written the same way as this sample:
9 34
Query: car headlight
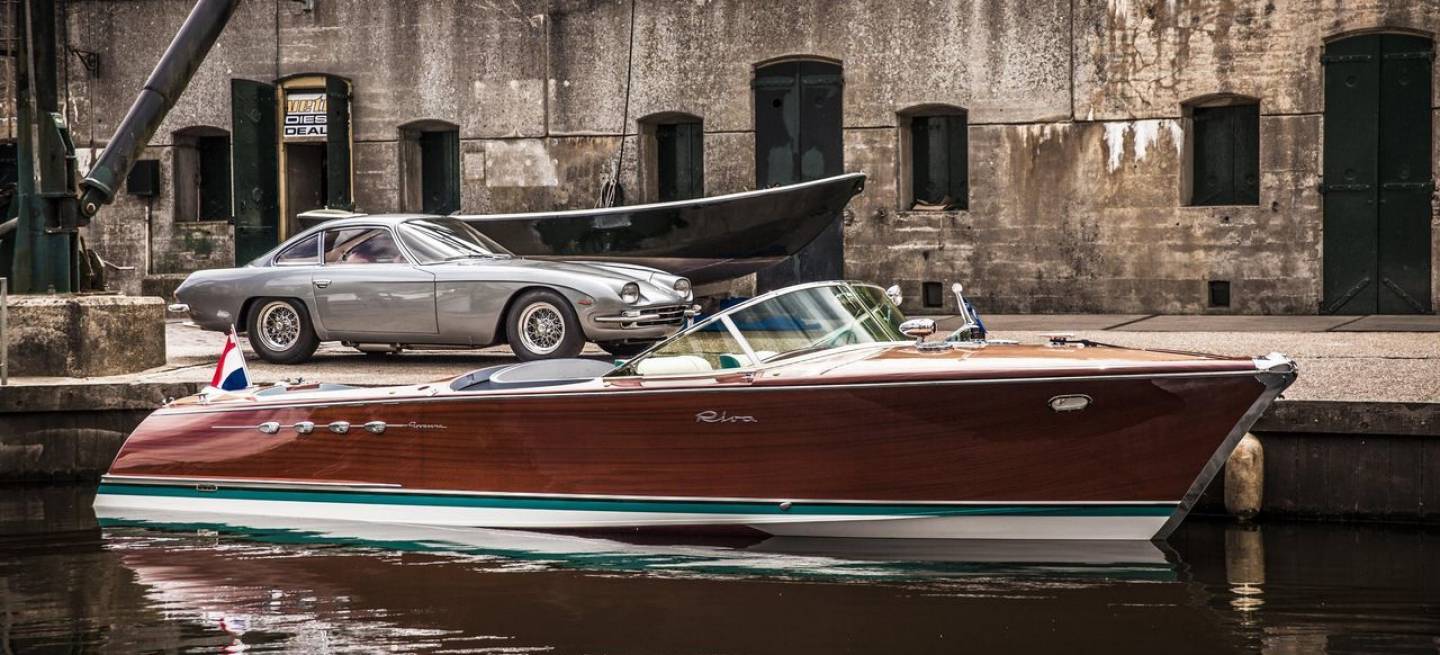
630 293
682 286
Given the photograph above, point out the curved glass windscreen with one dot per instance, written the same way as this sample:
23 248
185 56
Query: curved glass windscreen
434 240
805 320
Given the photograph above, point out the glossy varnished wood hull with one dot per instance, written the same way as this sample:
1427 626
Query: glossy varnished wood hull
1142 439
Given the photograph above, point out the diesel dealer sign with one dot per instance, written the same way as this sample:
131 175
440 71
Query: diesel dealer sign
305 115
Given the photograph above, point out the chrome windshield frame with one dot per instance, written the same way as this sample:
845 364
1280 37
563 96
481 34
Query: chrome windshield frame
734 331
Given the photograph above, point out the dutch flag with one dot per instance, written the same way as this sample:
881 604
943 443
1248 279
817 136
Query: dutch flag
230 373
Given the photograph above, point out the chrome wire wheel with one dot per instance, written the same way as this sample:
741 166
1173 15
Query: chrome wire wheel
279 325
542 328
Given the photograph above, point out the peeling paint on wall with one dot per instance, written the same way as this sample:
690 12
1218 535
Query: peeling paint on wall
1141 135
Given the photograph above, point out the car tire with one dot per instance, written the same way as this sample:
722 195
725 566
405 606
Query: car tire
280 331
542 325
625 350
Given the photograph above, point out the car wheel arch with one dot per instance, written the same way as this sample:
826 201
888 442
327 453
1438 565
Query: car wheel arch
500 333
243 318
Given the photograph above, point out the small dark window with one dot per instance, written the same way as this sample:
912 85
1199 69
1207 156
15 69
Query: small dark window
143 178
932 294
939 162
440 172
1226 168
1219 293
679 161
307 251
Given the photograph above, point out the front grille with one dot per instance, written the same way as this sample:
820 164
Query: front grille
668 315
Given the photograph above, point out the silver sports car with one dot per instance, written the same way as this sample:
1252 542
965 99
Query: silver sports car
384 283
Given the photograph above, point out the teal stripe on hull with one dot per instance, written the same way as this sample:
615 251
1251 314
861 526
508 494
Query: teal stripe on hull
632 505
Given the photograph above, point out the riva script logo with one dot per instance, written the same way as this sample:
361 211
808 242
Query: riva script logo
710 416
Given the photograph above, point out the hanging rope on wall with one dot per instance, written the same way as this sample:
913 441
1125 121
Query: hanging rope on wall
612 193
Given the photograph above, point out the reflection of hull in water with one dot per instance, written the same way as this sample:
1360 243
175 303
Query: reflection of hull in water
706 239
829 558
584 595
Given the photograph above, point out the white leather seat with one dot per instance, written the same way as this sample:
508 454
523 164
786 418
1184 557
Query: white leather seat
673 365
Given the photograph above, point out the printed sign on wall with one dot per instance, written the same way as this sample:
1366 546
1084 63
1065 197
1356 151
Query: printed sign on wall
305 115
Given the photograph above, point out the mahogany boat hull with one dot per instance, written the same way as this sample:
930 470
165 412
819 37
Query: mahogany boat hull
956 458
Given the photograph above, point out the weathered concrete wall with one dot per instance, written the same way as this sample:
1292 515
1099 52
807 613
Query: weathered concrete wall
142 233
1077 138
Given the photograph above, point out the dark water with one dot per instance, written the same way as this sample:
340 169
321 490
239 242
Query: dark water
70 584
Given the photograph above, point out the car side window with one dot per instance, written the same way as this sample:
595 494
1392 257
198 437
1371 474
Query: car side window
362 245
307 251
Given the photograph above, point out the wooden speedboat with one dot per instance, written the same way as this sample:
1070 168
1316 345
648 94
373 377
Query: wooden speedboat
815 410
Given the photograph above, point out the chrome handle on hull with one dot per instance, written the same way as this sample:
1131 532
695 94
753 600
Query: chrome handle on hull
305 427
1070 402
322 283
375 427
269 427
340 427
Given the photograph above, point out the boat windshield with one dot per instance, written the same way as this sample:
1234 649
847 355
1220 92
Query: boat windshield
792 323
434 240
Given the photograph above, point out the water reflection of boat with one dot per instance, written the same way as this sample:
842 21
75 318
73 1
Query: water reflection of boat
803 412
868 559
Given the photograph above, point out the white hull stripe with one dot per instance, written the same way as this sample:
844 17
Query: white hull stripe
631 504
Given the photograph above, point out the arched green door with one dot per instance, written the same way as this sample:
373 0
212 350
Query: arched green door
799 137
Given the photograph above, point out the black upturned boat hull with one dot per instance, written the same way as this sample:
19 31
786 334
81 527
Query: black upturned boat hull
705 239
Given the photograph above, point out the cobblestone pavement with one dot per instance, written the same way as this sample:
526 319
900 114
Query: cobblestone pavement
1334 365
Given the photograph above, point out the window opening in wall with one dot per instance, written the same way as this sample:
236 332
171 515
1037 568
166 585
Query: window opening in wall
430 167
932 294
935 166
1219 293
680 161
202 175
1225 164
672 156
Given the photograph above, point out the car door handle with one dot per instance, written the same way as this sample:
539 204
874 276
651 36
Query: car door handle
322 283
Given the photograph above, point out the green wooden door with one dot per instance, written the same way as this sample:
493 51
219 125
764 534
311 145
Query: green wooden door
255 167
337 144
799 137
1405 174
1377 175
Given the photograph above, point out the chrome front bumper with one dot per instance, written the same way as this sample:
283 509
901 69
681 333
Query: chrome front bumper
644 317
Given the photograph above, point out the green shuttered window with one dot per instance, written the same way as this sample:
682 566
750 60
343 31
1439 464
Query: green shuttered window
679 161
939 162
1227 155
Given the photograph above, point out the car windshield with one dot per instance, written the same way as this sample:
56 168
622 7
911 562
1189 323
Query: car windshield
447 239
805 320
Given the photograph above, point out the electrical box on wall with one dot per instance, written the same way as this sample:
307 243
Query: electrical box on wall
144 178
